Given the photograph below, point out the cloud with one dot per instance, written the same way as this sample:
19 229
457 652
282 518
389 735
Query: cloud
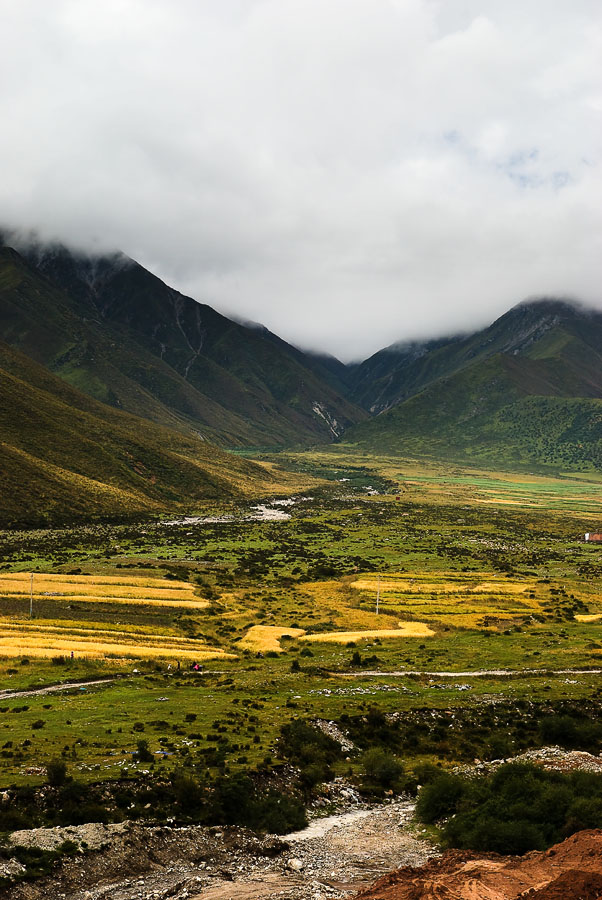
348 172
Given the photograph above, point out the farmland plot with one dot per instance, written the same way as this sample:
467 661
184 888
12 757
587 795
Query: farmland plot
21 634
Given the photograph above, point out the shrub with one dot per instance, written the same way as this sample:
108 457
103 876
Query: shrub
142 753
235 802
310 749
440 798
56 772
187 792
426 772
519 807
381 770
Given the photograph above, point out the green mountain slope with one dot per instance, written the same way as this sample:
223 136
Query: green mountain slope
118 333
65 456
544 329
527 391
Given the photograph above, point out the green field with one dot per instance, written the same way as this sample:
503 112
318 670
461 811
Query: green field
491 567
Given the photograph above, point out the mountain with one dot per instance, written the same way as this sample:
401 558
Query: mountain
398 372
526 390
118 333
65 456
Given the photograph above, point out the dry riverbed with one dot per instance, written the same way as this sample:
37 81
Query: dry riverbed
333 858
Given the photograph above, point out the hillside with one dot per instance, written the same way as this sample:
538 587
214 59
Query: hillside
65 456
525 391
542 329
115 331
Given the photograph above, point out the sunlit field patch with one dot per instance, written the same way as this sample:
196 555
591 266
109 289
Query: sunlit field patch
405 630
50 643
467 600
20 636
266 638
105 589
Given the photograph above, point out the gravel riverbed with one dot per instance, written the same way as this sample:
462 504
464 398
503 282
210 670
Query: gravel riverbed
333 858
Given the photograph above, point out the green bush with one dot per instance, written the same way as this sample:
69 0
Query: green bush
572 732
56 772
381 770
142 753
440 797
187 791
235 802
519 807
309 749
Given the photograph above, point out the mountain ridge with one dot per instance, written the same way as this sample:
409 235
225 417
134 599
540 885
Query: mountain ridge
65 456
527 390
163 355
398 371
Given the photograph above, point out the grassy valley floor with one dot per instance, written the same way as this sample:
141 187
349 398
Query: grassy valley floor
488 605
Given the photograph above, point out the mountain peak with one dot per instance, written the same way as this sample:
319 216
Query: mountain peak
552 306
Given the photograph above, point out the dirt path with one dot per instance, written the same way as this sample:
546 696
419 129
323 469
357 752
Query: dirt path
54 688
476 673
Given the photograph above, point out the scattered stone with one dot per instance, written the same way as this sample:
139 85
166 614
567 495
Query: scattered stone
334 732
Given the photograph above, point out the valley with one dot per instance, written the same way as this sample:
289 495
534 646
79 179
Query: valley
186 647
282 616
241 585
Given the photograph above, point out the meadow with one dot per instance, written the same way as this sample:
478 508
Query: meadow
487 596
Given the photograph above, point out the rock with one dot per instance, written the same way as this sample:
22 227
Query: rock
11 868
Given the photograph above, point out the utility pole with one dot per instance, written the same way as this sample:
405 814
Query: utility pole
377 593
31 596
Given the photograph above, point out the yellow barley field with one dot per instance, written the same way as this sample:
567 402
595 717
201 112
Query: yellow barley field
334 601
102 588
92 630
20 636
265 638
427 583
39 641
406 630
463 600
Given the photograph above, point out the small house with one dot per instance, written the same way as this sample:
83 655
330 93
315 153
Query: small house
593 537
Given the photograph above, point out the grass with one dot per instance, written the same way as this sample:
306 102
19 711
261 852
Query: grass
505 587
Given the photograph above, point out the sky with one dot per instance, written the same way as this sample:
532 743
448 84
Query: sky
349 173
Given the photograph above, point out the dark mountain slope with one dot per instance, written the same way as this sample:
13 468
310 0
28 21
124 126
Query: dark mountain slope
134 342
526 391
65 456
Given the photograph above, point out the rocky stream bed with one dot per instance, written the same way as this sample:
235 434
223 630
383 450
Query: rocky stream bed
333 858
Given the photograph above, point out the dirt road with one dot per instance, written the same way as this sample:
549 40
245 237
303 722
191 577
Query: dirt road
53 689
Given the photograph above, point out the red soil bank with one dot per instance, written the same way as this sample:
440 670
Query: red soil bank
571 870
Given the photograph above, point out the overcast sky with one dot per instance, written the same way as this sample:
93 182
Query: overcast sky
347 172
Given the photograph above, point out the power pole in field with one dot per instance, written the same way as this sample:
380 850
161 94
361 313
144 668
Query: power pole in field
377 593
